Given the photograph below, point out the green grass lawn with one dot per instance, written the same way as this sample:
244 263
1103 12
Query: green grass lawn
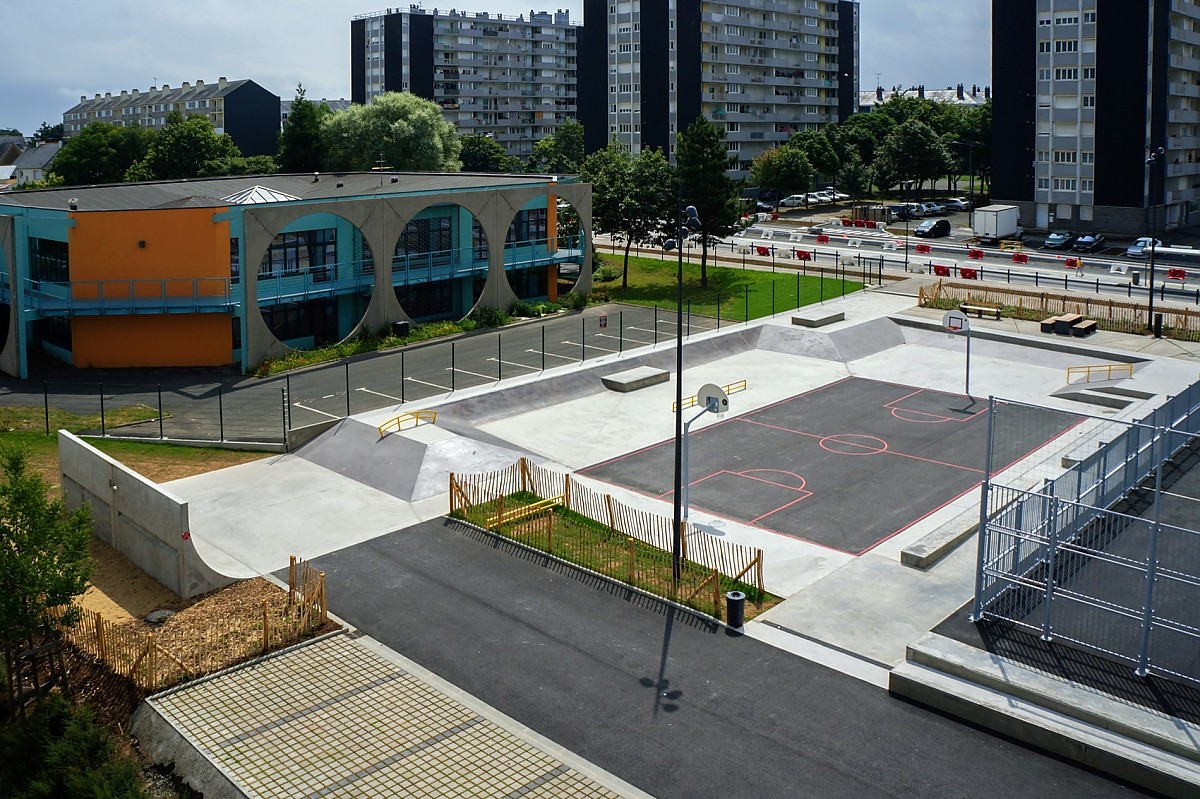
732 292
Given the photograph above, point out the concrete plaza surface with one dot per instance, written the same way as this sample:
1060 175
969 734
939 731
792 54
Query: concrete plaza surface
854 614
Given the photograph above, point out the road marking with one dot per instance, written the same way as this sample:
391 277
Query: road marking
314 410
555 355
517 363
587 346
380 394
493 378
426 383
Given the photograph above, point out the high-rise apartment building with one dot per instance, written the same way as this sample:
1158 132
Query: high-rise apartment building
512 78
762 69
243 109
1085 91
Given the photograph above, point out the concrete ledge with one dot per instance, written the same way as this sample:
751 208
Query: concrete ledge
1139 745
633 379
817 317
941 542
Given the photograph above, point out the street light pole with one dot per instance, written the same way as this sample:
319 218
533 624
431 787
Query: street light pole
689 219
907 185
1156 155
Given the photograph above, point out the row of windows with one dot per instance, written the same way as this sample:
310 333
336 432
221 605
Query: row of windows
1067 157
1059 46
1068 19
293 253
1066 73
1066 184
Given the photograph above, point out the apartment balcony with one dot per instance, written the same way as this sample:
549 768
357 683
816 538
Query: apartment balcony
1183 142
1187 117
1182 169
1184 62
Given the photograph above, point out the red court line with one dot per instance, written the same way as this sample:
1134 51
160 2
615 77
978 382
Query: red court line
785 506
890 451
938 417
746 473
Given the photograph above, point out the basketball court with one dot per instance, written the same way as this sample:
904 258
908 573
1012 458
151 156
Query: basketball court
846 466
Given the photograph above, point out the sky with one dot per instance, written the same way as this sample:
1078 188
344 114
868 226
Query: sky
56 52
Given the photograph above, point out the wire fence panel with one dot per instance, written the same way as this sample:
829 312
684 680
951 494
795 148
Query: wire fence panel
1079 542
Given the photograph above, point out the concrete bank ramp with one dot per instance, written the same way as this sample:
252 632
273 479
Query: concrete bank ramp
411 465
844 345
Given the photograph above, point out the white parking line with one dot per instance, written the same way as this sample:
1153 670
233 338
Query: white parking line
517 363
622 338
555 355
380 394
314 410
473 374
588 346
426 383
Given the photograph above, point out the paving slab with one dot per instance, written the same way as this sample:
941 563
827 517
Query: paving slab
341 717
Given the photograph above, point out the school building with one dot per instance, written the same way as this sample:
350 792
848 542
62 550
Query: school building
235 270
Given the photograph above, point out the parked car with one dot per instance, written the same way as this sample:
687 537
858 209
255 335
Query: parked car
934 209
820 197
1141 247
900 212
1089 242
766 208
933 228
957 204
916 210
794 201
1059 240
837 195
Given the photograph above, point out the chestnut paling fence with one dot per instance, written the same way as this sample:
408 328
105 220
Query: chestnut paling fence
555 513
157 659
1110 313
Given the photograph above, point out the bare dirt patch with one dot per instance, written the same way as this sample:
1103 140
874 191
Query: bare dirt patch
120 591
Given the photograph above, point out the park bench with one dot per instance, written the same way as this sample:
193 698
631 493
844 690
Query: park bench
1084 328
1064 323
1048 324
980 310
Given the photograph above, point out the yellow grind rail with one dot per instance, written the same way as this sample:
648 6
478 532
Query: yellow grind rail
524 511
1106 371
732 388
416 417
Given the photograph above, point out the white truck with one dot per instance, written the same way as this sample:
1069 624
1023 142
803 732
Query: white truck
994 223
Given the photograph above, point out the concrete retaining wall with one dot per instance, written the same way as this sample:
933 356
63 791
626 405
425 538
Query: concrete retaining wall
139 519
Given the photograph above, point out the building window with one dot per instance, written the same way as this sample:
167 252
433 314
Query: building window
1066 46
235 261
49 261
426 239
528 226
1089 73
1089 101
1089 16
1066 156
1043 73
1043 47
1087 157
1043 183
1066 73
1043 156
293 253
1086 184
1064 184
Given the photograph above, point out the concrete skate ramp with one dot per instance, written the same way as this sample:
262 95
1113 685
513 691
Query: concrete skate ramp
411 465
844 345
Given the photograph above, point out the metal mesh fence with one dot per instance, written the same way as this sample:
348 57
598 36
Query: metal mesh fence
1092 539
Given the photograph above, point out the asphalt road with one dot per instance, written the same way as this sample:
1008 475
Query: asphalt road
665 701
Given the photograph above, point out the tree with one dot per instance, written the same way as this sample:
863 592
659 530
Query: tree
180 150
100 153
300 140
407 132
560 154
239 165
784 169
912 151
702 162
44 560
48 132
484 154
854 177
815 144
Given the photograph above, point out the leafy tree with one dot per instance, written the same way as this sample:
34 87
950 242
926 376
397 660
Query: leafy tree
630 196
903 107
300 140
48 132
181 149
44 560
484 154
815 144
10 132
407 132
560 154
702 165
100 153
854 177
239 165
785 169
912 151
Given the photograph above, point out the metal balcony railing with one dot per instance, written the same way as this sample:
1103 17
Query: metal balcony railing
100 297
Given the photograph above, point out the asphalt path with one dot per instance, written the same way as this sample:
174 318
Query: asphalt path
670 703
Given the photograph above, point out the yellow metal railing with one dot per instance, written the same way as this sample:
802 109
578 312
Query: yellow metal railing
514 514
1009 244
416 417
1106 371
690 402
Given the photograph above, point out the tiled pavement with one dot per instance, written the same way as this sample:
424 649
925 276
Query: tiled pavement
340 718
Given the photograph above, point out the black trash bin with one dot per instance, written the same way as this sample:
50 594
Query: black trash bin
400 329
735 608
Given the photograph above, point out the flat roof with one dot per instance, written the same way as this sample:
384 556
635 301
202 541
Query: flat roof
209 192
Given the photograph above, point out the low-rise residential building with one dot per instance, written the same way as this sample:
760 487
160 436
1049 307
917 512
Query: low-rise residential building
32 165
246 111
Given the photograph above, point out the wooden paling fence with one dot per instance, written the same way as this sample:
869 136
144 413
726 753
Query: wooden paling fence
156 659
1119 315
631 544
